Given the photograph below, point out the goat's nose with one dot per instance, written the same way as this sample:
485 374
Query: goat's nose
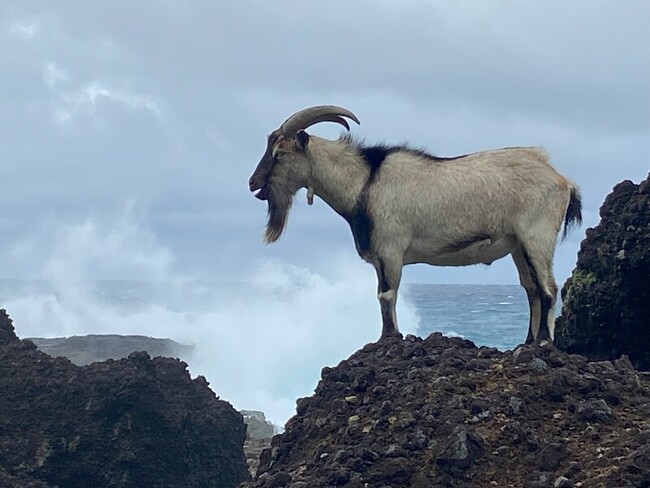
253 184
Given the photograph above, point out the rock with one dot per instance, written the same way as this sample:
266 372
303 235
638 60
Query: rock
523 354
278 480
461 451
7 334
132 422
259 432
623 363
23 481
607 299
551 456
395 472
595 411
83 350
514 405
537 364
468 418
562 482
257 427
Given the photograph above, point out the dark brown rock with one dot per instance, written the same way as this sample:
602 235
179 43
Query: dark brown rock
458 421
128 423
10 481
595 411
551 456
606 311
7 334
461 451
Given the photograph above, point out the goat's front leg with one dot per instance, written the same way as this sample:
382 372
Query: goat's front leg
389 275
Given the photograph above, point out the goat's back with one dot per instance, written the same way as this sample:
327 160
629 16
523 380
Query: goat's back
491 192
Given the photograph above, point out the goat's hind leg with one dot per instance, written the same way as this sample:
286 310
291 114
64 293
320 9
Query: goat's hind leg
388 278
532 293
538 258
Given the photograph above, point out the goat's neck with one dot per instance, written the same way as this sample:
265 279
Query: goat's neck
338 174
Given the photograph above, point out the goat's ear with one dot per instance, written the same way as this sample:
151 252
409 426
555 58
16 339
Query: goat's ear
302 138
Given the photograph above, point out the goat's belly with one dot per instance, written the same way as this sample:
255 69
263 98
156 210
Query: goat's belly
478 251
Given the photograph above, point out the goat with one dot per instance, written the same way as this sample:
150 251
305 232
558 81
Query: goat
406 206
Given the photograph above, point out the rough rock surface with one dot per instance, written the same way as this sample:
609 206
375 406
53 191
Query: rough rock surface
606 311
129 423
259 432
87 349
9 481
440 412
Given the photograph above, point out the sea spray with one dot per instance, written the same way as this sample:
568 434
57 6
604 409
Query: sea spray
261 341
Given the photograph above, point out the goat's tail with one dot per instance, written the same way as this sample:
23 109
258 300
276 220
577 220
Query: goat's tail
573 215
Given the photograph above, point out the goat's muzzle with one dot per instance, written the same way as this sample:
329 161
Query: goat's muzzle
254 184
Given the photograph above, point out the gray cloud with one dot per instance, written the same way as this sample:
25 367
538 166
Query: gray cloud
167 104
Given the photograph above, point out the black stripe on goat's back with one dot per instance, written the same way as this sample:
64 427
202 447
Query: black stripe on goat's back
375 155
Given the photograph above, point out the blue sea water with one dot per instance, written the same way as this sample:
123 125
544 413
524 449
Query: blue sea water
488 315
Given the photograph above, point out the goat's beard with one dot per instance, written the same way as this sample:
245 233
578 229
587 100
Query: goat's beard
279 203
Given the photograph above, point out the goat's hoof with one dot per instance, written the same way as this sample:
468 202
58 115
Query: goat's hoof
386 336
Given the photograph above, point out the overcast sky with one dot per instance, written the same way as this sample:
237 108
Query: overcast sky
158 111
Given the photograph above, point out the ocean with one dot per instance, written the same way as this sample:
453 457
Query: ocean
262 344
488 315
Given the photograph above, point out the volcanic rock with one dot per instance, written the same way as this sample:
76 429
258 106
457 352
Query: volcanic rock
606 311
440 412
134 422
9 481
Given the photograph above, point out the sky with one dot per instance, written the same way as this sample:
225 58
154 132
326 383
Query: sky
129 129
161 110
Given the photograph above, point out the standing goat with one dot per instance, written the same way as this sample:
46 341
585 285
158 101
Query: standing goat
405 206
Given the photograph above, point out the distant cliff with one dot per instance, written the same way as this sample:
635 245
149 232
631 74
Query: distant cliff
82 350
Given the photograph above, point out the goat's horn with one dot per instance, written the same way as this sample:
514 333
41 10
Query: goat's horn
313 115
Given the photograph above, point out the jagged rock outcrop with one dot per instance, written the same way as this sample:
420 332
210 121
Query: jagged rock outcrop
129 423
440 412
259 432
87 349
606 310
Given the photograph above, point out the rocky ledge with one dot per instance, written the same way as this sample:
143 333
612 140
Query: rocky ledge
134 422
440 412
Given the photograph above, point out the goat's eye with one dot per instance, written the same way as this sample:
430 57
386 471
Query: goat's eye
279 154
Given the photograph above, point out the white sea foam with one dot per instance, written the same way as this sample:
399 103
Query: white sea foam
261 344
451 333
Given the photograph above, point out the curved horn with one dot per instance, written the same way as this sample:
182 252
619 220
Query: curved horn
313 115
